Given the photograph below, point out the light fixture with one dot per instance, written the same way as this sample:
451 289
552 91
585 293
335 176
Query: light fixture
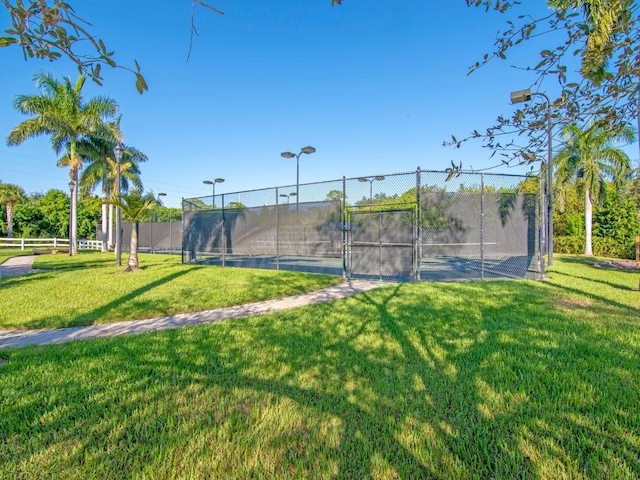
524 96
521 95
288 196
371 180
306 150
213 184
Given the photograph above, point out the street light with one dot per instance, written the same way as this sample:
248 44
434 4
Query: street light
524 96
364 179
72 186
288 196
307 151
117 151
213 184
161 194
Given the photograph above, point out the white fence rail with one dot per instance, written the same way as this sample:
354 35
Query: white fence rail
90 244
62 243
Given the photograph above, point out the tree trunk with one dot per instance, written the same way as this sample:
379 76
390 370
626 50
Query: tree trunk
73 236
9 207
588 222
104 225
133 249
110 227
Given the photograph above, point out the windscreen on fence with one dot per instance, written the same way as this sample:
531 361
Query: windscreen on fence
382 243
422 225
155 237
274 232
473 235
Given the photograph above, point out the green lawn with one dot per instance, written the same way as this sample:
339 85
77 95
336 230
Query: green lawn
505 380
87 289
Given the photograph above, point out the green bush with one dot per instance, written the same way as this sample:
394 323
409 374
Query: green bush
602 246
613 247
568 244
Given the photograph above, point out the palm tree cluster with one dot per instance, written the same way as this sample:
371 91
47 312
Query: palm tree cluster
82 133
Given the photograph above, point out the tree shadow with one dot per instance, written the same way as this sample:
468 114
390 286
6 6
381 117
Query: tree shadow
408 381
124 303
621 274
631 310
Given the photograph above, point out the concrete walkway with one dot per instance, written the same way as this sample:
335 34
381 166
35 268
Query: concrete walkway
21 338
18 266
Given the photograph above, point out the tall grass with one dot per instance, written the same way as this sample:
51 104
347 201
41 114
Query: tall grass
504 380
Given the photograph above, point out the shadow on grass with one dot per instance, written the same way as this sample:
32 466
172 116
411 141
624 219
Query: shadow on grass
410 381
125 303
90 259
601 298
266 283
623 277
23 280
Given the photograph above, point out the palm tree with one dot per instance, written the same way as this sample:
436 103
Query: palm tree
134 207
102 169
604 19
9 196
589 155
62 113
129 175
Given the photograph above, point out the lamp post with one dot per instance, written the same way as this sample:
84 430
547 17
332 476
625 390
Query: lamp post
307 151
371 180
72 188
161 194
288 196
213 184
524 96
117 151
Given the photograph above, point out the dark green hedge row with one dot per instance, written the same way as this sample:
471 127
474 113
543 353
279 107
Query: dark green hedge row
602 246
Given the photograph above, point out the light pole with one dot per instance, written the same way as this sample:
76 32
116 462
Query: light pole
288 196
371 180
72 189
161 194
525 96
213 184
117 151
307 151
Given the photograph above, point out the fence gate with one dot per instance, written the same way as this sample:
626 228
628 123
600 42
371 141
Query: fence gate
381 244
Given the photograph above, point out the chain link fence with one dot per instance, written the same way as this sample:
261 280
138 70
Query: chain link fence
422 225
155 237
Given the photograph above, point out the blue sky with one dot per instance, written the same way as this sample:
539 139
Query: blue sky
375 86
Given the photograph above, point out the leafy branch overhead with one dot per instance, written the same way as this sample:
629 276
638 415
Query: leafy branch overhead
605 35
51 29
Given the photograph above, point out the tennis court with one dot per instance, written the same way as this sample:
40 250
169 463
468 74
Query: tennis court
417 227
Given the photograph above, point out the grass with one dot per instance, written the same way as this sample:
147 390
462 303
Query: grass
509 379
87 289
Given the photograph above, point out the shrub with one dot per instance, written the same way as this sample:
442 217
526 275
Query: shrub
602 246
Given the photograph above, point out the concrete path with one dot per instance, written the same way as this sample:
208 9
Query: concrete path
21 338
18 266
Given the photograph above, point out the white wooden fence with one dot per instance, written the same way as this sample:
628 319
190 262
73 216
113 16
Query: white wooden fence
54 243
